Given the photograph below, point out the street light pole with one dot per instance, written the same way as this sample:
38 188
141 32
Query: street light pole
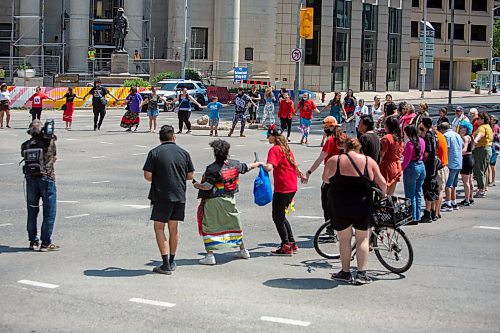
185 58
297 64
424 55
452 42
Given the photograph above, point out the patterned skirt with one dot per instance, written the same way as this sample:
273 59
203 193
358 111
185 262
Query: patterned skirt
68 113
130 119
219 223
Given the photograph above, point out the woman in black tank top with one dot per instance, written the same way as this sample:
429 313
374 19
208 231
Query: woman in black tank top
350 204
467 164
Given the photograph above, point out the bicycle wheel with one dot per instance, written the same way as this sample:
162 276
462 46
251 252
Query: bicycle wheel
326 242
393 249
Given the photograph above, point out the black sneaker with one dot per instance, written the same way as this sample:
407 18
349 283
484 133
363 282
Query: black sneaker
433 215
163 270
34 246
464 203
362 278
342 276
471 202
426 218
446 208
454 206
173 266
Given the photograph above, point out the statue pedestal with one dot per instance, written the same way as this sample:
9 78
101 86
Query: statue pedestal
119 64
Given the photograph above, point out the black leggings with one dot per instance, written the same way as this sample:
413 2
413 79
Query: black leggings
99 115
36 113
183 116
280 202
324 201
286 124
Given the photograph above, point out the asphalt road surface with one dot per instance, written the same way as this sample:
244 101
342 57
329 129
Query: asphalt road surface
101 280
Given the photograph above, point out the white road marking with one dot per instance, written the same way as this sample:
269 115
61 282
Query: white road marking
3 164
137 154
66 201
76 216
38 284
140 146
106 143
484 227
285 321
70 139
13 135
307 217
137 206
101 182
96 157
150 302
208 148
5 224
307 188
241 145
307 161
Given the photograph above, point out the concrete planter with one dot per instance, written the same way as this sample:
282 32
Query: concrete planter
30 72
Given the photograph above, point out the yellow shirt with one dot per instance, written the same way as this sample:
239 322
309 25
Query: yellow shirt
487 137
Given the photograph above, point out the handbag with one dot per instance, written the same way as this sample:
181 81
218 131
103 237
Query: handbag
262 189
64 107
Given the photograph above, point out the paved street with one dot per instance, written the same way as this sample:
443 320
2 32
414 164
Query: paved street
101 280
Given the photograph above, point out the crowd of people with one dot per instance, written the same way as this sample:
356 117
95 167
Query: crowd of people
386 144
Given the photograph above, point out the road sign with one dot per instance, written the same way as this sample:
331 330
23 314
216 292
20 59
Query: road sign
428 41
240 73
296 55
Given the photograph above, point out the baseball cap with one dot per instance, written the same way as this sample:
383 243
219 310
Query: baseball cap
329 121
459 109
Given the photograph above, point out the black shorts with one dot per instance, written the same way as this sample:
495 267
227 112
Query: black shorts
467 165
340 223
168 211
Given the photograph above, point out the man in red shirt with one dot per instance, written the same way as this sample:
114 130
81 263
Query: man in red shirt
37 103
285 113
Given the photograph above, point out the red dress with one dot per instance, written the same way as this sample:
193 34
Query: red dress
70 108
390 166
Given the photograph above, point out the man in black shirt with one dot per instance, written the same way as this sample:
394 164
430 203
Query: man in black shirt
370 142
40 155
99 102
167 168
389 106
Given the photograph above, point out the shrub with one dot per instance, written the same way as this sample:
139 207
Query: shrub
136 83
165 76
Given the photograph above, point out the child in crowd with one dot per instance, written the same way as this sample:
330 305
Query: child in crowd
360 110
214 106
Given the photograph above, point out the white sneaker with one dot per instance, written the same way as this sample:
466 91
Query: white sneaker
208 260
243 254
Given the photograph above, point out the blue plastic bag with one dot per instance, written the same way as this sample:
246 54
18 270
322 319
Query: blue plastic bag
262 189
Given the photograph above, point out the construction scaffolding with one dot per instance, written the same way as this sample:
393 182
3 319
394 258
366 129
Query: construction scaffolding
33 50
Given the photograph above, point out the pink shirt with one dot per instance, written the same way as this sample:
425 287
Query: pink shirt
409 152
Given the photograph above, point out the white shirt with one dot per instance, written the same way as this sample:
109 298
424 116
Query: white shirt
5 96
358 112
455 124
376 111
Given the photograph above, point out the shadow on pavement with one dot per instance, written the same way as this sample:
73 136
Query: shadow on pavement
302 283
116 272
8 249
377 275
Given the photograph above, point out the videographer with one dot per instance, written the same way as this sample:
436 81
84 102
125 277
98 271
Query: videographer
40 155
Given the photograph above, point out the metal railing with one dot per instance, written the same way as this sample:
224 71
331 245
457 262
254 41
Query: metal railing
211 70
46 66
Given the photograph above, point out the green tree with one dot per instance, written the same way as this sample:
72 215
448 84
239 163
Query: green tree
496 39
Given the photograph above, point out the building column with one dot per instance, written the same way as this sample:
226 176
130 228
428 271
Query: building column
227 30
78 40
134 10
29 27
355 51
404 72
382 45
175 23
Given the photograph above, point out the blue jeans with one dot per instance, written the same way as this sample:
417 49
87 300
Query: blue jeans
45 188
413 179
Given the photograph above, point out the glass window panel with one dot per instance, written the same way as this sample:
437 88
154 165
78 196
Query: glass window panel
478 33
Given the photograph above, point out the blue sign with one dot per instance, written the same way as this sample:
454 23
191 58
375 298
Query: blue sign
240 73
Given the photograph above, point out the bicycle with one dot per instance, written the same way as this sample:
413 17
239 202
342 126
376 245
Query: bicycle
389 242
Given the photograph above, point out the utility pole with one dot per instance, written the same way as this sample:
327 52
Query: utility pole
297 64
424 55
452 42
185 58
490 67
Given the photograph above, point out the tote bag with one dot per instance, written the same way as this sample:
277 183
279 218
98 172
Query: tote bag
262 189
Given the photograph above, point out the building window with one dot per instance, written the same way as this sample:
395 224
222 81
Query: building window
478 33
369 47
434 3
199 43
414 29
105 9
5 29
248 53
480 5
459 31
415 3
437 29
313 46
459 4
341 45
394 49
369 17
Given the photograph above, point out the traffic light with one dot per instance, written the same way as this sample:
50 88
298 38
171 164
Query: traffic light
306 23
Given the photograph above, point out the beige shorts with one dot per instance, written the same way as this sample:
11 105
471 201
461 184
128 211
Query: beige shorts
442 177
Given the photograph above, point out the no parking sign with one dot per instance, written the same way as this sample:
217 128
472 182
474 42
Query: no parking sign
296 55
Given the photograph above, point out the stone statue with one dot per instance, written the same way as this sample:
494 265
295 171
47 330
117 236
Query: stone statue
120 26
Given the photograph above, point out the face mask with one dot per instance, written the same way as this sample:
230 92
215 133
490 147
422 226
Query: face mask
305 98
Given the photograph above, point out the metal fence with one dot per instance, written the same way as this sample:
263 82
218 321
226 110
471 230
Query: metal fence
46 66
102 66
211 70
